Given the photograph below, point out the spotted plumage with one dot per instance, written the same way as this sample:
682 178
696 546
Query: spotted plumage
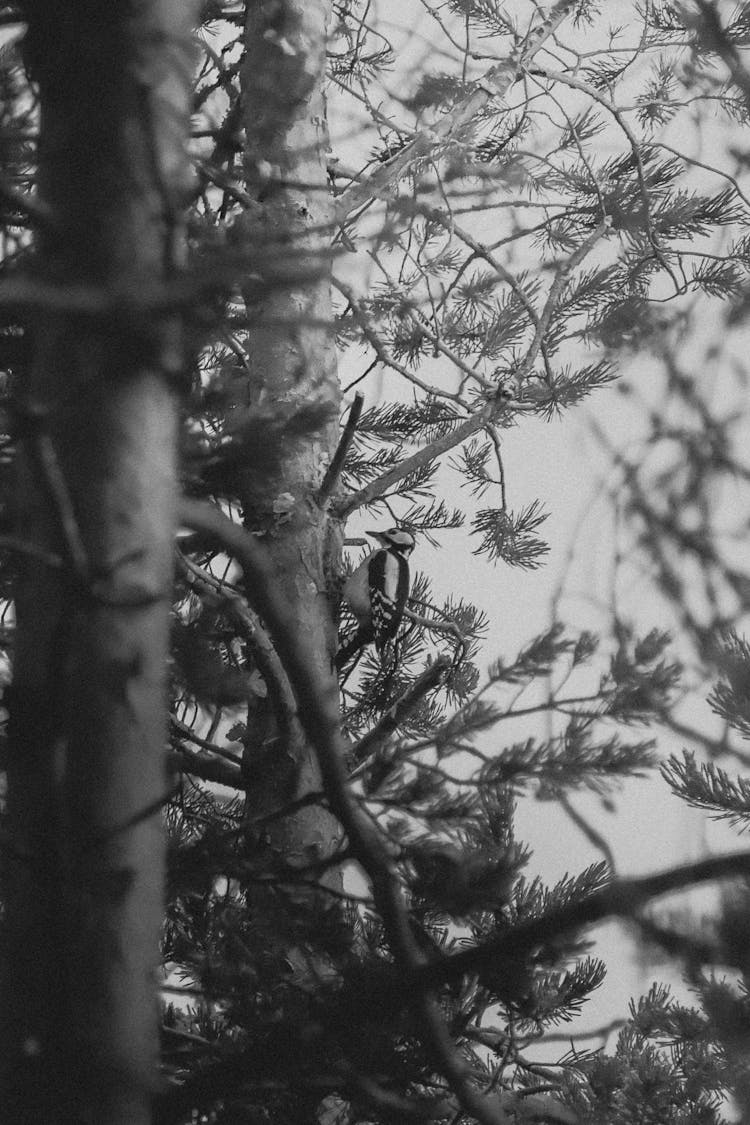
377 592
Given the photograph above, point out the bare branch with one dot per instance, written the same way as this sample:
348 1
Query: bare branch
592 835
333 472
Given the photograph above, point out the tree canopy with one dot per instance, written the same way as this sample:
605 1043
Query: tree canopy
268 270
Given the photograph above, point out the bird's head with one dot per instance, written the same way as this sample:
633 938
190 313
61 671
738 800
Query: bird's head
395 539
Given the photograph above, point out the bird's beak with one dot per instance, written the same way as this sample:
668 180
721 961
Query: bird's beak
377 535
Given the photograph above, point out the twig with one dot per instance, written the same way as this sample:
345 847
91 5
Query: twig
187 1036
382 352
494 85
437 626
333 472
394 1106
409 310
588 831
501 401
145 813
400 710
184 731
713 35
601 1032
315 798
693 950
54 479
577 84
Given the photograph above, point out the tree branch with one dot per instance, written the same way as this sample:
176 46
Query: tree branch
53 479
333 472
493 86
588 830
487 414
184 731
266 657
619 900
434 626
422 457
400 710
382 352
208 769
316 690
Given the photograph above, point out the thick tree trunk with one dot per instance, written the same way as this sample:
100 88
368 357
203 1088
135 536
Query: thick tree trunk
293 367
96 487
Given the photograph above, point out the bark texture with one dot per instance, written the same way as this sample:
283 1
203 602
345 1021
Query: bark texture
96 488
292 366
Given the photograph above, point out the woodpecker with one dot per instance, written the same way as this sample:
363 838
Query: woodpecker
377 591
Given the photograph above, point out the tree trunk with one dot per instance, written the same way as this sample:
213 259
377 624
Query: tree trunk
292 365
96 489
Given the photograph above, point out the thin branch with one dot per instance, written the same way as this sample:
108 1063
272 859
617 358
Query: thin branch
713 36
601 1032
314 799
584 87
409 310
137 818
401 709
394 1106
426 455
434 626
333 472
19 546
588 830
493 86
381 350
186 1036
499 403
49 469
208 769
270 667
184 731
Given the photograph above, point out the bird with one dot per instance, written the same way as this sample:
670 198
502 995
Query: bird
377 591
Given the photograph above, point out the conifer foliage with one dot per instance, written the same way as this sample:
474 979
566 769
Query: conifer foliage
378 268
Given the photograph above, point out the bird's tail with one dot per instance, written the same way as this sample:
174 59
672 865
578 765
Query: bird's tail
362 637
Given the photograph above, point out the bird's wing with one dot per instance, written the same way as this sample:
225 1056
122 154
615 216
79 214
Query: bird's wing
389 583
